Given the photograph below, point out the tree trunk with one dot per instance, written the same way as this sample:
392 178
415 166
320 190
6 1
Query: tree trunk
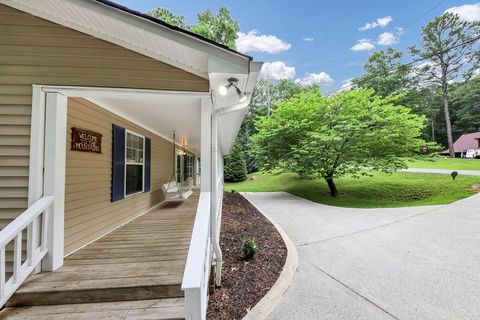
331 186
433 129
448 123
446 110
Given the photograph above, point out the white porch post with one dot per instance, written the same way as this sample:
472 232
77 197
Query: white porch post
54 176
206 145
37 138
195 284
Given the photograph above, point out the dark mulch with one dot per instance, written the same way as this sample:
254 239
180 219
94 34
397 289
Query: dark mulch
245 282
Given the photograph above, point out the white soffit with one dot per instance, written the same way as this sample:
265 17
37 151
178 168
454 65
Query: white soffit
132 32
161 116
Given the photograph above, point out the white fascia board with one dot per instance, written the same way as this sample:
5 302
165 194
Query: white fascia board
230 125
87 9
217 65
255 69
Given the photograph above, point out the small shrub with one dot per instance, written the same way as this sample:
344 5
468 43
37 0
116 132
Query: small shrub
233 191
249 247
240 210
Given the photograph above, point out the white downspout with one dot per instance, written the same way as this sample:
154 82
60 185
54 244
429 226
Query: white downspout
214 212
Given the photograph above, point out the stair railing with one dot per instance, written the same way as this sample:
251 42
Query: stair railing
35 221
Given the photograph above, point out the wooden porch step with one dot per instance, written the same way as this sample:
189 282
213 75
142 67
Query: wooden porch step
100 289
161 309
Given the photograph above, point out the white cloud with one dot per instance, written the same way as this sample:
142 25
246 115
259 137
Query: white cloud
467 12
387 39
315 78
308 39
363 45
252 41
346 85
399 30
380 22
426 66
277 70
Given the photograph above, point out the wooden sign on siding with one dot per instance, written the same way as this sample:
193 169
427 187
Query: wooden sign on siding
85 140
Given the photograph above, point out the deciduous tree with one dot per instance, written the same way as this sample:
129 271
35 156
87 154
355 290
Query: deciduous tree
385 73
169 17
265 96
221 28
329 137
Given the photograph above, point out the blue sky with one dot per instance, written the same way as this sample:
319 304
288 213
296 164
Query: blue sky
320 41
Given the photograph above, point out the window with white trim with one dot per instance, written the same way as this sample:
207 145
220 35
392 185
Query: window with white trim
134 163
189 173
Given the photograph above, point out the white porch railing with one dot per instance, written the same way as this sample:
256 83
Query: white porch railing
32 219
197 268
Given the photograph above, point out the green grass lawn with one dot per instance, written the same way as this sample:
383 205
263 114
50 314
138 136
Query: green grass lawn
446 163
399 189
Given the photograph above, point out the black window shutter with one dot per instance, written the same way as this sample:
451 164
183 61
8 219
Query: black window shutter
148 152
118 163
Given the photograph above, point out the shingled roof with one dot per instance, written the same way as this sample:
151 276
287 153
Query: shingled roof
466 141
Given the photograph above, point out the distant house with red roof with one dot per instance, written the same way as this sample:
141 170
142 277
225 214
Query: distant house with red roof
466 141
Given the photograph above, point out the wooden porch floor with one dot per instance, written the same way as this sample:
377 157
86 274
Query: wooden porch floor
134 272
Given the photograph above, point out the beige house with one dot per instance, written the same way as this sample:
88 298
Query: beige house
112 136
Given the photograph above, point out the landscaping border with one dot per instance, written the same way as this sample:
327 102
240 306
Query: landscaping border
273 297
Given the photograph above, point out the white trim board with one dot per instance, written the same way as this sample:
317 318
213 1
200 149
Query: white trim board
37 136
120 93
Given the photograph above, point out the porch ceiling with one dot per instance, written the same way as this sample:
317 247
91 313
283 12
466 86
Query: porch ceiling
162 115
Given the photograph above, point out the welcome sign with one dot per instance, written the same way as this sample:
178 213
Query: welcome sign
86 140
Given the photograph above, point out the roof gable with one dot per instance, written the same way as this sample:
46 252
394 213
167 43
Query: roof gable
134 31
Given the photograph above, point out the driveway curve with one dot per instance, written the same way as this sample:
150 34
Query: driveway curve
401 263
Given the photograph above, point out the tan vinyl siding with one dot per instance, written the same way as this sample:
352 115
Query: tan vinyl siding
89 213
36 51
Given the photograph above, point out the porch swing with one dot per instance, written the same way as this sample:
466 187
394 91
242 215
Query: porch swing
173 190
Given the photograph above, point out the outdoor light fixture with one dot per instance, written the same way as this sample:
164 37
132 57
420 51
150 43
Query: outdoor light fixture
184 151
232 82
241 97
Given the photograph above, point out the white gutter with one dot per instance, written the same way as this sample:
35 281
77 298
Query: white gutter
214 208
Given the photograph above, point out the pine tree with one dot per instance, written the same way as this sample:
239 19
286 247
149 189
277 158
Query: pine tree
235 169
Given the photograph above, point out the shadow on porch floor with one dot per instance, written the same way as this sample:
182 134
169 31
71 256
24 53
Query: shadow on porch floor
125 273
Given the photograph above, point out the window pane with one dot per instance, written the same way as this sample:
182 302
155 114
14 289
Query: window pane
134 179
134 148
129 140
130 155
136 142
139 156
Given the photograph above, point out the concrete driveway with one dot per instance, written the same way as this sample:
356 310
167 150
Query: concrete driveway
403 263
445 171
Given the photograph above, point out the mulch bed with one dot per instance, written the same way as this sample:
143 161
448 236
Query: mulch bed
245 282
